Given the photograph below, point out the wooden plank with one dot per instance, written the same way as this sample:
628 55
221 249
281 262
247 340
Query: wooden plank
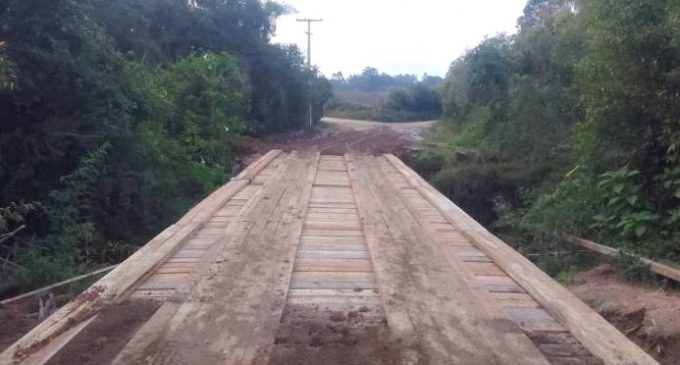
218 219
367 310
356 299
593 331
255 168
534 319
500 284
475 259
426 296
209 232
55 344
333 210
314 240
465 251
333 276
337 226
209 206
333 247
219 225
333 216
354 285
331 233
189 254
238 303
332 292
164 281
476 290
334 265
182 260
146 294
173 270
133 352
661 269
515 300
484 269
187 265
201 241
331 205
333 254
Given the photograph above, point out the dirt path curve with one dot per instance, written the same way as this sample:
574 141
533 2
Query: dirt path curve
340 136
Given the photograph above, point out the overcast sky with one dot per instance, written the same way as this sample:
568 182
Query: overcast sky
395 36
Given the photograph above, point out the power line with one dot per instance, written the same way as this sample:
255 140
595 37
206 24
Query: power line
309 60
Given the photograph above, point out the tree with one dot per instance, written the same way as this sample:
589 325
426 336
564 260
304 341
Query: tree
163 88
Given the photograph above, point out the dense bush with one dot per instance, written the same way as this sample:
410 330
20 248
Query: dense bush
581 106
418 102
119 115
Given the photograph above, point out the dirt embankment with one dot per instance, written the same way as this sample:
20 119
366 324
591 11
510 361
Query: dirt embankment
340 136
649 316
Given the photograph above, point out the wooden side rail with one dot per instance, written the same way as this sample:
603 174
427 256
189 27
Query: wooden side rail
43 341
661 269
594 332
28 299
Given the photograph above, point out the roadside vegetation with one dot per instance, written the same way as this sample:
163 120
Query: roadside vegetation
118 115
569 127
377 96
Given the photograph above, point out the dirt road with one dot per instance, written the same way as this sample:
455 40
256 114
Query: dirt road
339 136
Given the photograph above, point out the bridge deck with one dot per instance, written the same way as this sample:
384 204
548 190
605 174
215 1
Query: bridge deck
308 259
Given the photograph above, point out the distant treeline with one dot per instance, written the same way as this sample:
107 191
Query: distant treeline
373 95
118 115
571 126
370 79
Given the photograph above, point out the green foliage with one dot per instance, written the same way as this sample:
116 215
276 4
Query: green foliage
624 211
71 233
629 85
6 70
409 99
633 269
16 213
565 278
46 268
71 230
416 103
592 84
670 180
119 115
189 117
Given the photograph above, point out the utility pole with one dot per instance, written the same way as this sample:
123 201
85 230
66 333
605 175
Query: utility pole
309 61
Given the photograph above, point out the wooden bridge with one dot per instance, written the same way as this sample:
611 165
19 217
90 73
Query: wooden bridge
309 259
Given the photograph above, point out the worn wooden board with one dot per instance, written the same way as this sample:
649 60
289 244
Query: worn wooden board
593 331
249 272
424 288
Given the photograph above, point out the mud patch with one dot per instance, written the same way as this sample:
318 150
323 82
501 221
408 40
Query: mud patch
338 340
100 342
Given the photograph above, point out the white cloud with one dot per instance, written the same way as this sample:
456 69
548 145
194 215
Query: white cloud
395 36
